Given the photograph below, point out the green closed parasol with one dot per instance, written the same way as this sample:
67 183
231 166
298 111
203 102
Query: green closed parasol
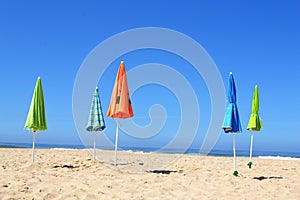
36 118
254 123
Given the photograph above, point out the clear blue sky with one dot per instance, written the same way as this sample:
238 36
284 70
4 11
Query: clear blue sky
259 41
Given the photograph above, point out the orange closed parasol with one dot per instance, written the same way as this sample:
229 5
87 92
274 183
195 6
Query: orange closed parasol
120 104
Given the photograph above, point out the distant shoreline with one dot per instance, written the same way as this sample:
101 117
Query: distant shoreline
214 152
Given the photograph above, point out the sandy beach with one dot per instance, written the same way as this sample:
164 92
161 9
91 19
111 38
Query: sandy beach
73 174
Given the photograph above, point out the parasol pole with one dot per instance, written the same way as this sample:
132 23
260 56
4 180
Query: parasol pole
251 145
117 136
33 141
235 172
94 145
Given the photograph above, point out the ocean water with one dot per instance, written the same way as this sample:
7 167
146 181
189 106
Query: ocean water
214 152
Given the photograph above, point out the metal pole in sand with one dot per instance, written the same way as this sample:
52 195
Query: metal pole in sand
117 136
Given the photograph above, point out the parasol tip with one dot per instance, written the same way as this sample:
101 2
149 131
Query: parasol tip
230 72
256 85
96 87
122 61
39 77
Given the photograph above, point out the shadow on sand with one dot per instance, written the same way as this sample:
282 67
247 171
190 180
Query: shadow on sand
163 171
270 177
66 166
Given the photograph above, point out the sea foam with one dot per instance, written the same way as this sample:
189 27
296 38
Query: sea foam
278 158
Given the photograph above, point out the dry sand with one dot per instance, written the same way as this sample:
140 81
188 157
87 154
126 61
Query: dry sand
72 174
